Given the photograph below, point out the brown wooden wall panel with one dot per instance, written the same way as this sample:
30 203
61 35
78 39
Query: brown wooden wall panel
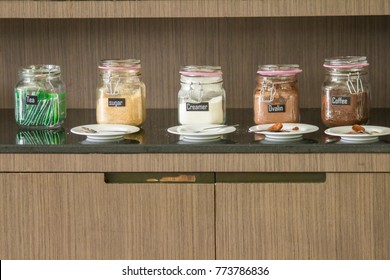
163 45
78 216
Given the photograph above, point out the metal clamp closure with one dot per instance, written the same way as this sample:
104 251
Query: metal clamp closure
359 84
113 89
196 95
267 86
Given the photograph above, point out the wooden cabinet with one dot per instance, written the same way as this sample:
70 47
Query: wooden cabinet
346 217
79 216
73 215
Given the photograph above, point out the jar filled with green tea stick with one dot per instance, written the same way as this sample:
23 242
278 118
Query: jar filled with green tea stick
40 97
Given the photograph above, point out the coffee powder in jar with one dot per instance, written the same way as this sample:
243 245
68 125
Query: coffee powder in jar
345 97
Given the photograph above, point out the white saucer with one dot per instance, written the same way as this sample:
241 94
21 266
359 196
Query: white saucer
287 133
105 132
188 132
344 132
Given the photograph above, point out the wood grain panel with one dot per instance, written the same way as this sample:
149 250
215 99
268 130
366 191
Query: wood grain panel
11 58
156 162
239 45
338 219
78 216
190 8
381 218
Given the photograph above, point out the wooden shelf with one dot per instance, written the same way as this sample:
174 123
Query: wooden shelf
191 8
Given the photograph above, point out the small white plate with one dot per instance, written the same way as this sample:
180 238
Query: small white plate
347 136
287 133
188 132
104 132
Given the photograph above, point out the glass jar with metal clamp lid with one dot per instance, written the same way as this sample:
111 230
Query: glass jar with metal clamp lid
276 96
40 97
121 94
201 97
345 98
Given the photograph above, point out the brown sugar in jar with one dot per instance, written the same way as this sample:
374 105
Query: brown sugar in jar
121 95
276 96
345 98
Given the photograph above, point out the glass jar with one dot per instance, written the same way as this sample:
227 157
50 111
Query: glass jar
121 95
40 97
276 94
345 98
201 97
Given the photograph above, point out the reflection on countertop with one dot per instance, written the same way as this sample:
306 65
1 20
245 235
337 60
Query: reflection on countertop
154 137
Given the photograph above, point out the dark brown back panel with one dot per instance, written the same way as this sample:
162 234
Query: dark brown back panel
163 45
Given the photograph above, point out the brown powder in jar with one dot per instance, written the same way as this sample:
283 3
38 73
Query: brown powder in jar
356 112
133 113
286 97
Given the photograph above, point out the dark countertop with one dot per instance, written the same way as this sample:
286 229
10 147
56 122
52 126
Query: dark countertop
154 138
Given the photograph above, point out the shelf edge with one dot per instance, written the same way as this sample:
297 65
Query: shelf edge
192 8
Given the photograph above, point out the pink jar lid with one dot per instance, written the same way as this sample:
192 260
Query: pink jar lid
279 69
346 62
201 71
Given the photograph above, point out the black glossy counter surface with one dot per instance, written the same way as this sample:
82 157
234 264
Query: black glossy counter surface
154 138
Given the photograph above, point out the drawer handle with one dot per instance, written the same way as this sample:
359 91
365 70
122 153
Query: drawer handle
182 178
271 177
154 177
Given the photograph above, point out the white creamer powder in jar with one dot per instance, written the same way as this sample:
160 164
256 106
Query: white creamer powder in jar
214 115
201 97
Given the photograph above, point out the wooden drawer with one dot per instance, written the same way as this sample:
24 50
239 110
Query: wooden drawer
79 216
345 217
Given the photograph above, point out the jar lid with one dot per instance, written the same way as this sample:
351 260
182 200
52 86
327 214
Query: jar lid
279 69
120 64
40 69
346 62
201 71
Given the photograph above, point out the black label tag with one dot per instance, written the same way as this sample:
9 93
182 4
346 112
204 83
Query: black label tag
276 108
203 106
31 99
116 102
341 100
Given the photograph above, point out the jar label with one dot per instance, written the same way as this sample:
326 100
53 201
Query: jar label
341 100
276 108
31 99
116 102
197 107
